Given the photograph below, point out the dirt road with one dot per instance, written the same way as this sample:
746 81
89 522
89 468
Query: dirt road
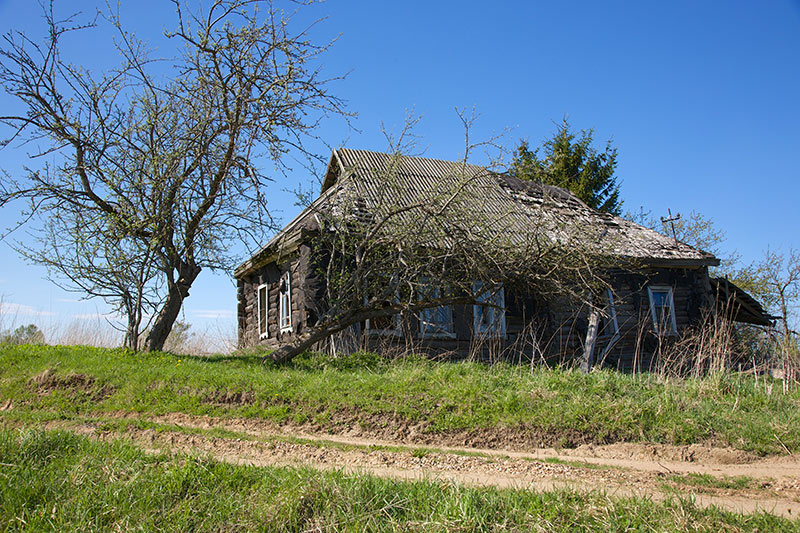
727 478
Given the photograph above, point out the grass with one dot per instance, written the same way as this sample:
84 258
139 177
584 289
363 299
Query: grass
122 425
714 482
559 407
60 481
578 464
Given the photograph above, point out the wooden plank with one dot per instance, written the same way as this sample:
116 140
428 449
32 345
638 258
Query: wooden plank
591 340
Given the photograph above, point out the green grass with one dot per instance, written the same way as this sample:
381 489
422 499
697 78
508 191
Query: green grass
578 464
58 481
122 425
559 407
714 482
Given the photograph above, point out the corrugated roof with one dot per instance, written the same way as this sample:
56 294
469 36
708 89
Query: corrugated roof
491 204
738 305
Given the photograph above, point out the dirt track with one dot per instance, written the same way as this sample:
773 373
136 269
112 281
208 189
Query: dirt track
654 471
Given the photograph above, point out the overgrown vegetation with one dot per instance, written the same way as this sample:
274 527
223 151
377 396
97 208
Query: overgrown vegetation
471 401
60 481
773 280
29 334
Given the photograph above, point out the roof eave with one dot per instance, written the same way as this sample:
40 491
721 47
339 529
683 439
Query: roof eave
269 254
678 262
288 237
335 168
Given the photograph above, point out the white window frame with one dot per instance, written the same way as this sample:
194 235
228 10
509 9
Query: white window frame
673 323
285 305
497 323
263 328
440 330
612 315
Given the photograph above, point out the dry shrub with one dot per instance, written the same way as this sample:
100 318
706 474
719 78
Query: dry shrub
786 363
85 332
707 349
217 338
719 346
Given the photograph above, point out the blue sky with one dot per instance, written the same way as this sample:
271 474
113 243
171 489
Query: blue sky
701 98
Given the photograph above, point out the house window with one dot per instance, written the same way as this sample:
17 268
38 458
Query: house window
489 319
608 325
384 325
263 311
662 310
285 303
435 321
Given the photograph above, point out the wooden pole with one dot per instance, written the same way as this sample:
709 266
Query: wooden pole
591 340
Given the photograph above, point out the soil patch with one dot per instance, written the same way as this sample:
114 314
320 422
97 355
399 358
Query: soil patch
354 422
50 381
494 470
662 458
220 397
693 453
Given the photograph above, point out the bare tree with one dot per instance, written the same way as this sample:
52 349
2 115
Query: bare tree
88 254
160 155
391 247
779 276
695 229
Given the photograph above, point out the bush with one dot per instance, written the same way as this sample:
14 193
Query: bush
29 334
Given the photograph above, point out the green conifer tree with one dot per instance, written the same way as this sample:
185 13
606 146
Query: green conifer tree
569 161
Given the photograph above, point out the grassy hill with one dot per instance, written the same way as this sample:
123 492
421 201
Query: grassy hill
451 403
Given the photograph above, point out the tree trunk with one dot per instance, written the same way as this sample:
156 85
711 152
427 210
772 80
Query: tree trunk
134 316
178 292
292 349
784 313
303 342
132 334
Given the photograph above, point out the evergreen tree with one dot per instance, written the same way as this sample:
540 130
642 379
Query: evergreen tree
569 161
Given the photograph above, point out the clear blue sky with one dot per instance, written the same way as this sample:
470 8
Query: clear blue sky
701 98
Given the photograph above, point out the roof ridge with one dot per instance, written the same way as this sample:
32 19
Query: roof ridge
448 161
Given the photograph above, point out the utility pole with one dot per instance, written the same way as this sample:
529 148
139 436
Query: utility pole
671 219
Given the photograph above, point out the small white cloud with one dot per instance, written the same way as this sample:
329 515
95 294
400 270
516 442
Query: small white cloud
69 300
213 313
13 309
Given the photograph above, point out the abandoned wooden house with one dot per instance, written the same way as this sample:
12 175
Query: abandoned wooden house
664 288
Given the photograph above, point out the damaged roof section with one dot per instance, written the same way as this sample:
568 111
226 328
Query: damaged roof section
737 305
492 204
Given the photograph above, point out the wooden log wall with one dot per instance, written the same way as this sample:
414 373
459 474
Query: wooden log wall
271 274
553 331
